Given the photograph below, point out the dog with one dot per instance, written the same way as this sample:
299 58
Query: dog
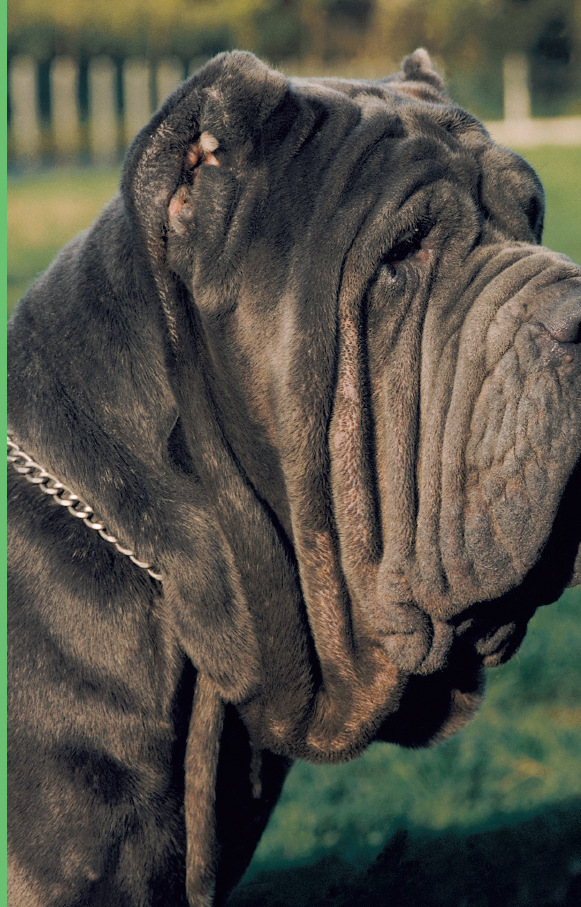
293 456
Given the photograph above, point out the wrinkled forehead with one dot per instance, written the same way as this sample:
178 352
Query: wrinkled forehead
412 124
321 154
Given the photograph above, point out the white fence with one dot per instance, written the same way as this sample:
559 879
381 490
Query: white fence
119 99
118 104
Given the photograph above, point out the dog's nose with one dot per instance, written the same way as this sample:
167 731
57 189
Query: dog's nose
564 324
562 315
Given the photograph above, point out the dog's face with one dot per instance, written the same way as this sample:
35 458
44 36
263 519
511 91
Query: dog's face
392 357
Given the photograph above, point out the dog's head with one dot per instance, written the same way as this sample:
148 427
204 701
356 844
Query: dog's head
393 359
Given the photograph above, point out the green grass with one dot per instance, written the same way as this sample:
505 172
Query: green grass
45 210
492 817
559 168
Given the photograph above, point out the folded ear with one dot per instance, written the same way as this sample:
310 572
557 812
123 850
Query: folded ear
232 587
199 143
231 98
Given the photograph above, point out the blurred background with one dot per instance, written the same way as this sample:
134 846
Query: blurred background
84 75
492 817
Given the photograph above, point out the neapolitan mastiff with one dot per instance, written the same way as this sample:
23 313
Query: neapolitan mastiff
309 394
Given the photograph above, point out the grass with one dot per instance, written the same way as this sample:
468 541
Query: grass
560 171
45 211
492 817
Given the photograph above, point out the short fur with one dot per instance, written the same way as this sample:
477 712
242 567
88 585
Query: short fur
314 364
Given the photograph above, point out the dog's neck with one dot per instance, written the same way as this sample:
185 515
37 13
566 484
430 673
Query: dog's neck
34 473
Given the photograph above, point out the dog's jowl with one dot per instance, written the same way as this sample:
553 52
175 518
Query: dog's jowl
293 455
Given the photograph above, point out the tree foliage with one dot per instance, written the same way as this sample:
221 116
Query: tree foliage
130 26
121 17
480 31
473 30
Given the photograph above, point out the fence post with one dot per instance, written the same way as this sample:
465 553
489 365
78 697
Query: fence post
102 110
517 99
65 108
137 97
25 126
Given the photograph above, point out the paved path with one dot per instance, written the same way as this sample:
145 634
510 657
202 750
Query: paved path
537 131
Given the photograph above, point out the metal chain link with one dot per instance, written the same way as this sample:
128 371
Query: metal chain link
62 495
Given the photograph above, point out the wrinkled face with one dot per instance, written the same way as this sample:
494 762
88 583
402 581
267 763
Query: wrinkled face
395 361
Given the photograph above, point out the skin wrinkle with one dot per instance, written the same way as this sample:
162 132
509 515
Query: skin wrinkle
399 393
399 405
350 454
455 468
386 404
525 399
485 443
433 423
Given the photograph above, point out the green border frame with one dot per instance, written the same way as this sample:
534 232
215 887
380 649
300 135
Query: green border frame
4 128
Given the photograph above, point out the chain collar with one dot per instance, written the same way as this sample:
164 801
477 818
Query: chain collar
62 495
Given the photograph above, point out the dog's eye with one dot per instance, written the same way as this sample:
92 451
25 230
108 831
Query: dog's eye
406 247
409 245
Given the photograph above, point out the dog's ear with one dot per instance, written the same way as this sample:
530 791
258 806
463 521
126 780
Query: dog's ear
420 77
229 100
418 67
183 173
200 160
